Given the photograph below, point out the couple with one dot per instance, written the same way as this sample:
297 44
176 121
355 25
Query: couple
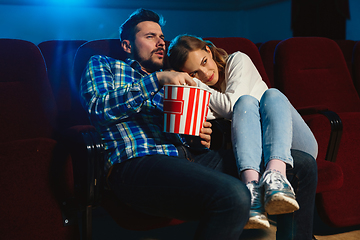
271 168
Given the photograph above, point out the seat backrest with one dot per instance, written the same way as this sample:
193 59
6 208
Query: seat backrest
233 44
356 66
258 44
312 71
59 58
28 108
267 50
34 176
107 47
347 47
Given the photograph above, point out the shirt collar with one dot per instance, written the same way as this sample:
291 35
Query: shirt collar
133 63
136 65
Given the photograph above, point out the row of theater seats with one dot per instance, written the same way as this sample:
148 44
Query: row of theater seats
39 93
349 48
314 74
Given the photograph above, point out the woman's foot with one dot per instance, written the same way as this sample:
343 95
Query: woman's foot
279 194
257 217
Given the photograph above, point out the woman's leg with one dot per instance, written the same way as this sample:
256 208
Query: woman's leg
277 127
247 137
247 145
283 128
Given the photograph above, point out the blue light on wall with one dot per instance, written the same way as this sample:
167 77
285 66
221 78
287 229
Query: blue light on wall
68 2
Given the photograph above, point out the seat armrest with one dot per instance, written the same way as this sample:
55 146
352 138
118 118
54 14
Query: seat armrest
311 110
84 144
335 135
336 128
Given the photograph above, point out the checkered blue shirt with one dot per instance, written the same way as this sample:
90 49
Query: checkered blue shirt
125 104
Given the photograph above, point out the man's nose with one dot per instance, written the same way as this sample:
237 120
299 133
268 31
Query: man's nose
161 42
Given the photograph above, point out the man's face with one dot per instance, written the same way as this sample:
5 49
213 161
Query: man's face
149 46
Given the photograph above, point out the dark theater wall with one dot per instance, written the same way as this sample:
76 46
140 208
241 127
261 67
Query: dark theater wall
258 22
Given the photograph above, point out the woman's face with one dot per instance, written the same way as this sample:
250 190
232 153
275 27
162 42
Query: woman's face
201 65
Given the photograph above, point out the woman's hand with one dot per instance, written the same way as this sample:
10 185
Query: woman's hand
205 134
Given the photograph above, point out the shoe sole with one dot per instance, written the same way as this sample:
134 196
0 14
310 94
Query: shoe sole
255 223
280 204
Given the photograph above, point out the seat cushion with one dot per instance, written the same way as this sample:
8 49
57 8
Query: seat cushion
31 191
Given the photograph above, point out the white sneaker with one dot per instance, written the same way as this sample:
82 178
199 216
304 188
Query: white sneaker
279 194
257 217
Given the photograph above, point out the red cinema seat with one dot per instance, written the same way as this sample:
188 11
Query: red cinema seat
312 73
267 50
35 177
356 66
347 47
59 58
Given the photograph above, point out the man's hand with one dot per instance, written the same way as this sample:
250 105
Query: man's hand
175 78
205 134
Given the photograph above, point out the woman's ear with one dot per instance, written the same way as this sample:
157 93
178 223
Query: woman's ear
125 44
209 51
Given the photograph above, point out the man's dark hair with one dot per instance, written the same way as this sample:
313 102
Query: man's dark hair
128 28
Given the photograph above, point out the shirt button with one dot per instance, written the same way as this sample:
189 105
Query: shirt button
152 93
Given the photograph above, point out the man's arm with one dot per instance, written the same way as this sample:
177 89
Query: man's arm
112 90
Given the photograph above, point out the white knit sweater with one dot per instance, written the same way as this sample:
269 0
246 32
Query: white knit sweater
241 78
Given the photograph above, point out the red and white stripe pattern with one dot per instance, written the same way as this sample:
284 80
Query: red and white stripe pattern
185 109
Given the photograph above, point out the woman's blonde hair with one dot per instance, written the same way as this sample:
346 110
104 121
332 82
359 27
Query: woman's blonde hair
183 44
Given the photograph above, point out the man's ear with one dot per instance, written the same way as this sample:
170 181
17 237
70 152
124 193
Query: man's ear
125 44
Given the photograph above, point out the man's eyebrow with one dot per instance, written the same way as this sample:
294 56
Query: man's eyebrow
150 33
154 34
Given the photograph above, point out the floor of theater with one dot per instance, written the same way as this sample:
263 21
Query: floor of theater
105 228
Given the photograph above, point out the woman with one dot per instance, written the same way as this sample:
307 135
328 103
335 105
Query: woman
265 126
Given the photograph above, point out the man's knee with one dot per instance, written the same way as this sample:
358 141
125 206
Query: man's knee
305 166
234 196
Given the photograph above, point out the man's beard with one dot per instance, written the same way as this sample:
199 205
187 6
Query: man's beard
148 64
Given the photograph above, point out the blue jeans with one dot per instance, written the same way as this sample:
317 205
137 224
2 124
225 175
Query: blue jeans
303 178
267 130
194 186
204 186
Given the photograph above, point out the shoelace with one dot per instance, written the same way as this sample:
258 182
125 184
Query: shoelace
274 180
255 195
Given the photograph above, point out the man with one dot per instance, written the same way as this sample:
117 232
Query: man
158 173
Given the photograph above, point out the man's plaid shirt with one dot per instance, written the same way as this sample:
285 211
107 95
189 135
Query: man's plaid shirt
126 106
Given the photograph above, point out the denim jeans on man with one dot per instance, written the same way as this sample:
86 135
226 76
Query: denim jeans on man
205 187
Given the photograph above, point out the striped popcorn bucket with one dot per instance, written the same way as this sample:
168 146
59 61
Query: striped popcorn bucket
185 109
